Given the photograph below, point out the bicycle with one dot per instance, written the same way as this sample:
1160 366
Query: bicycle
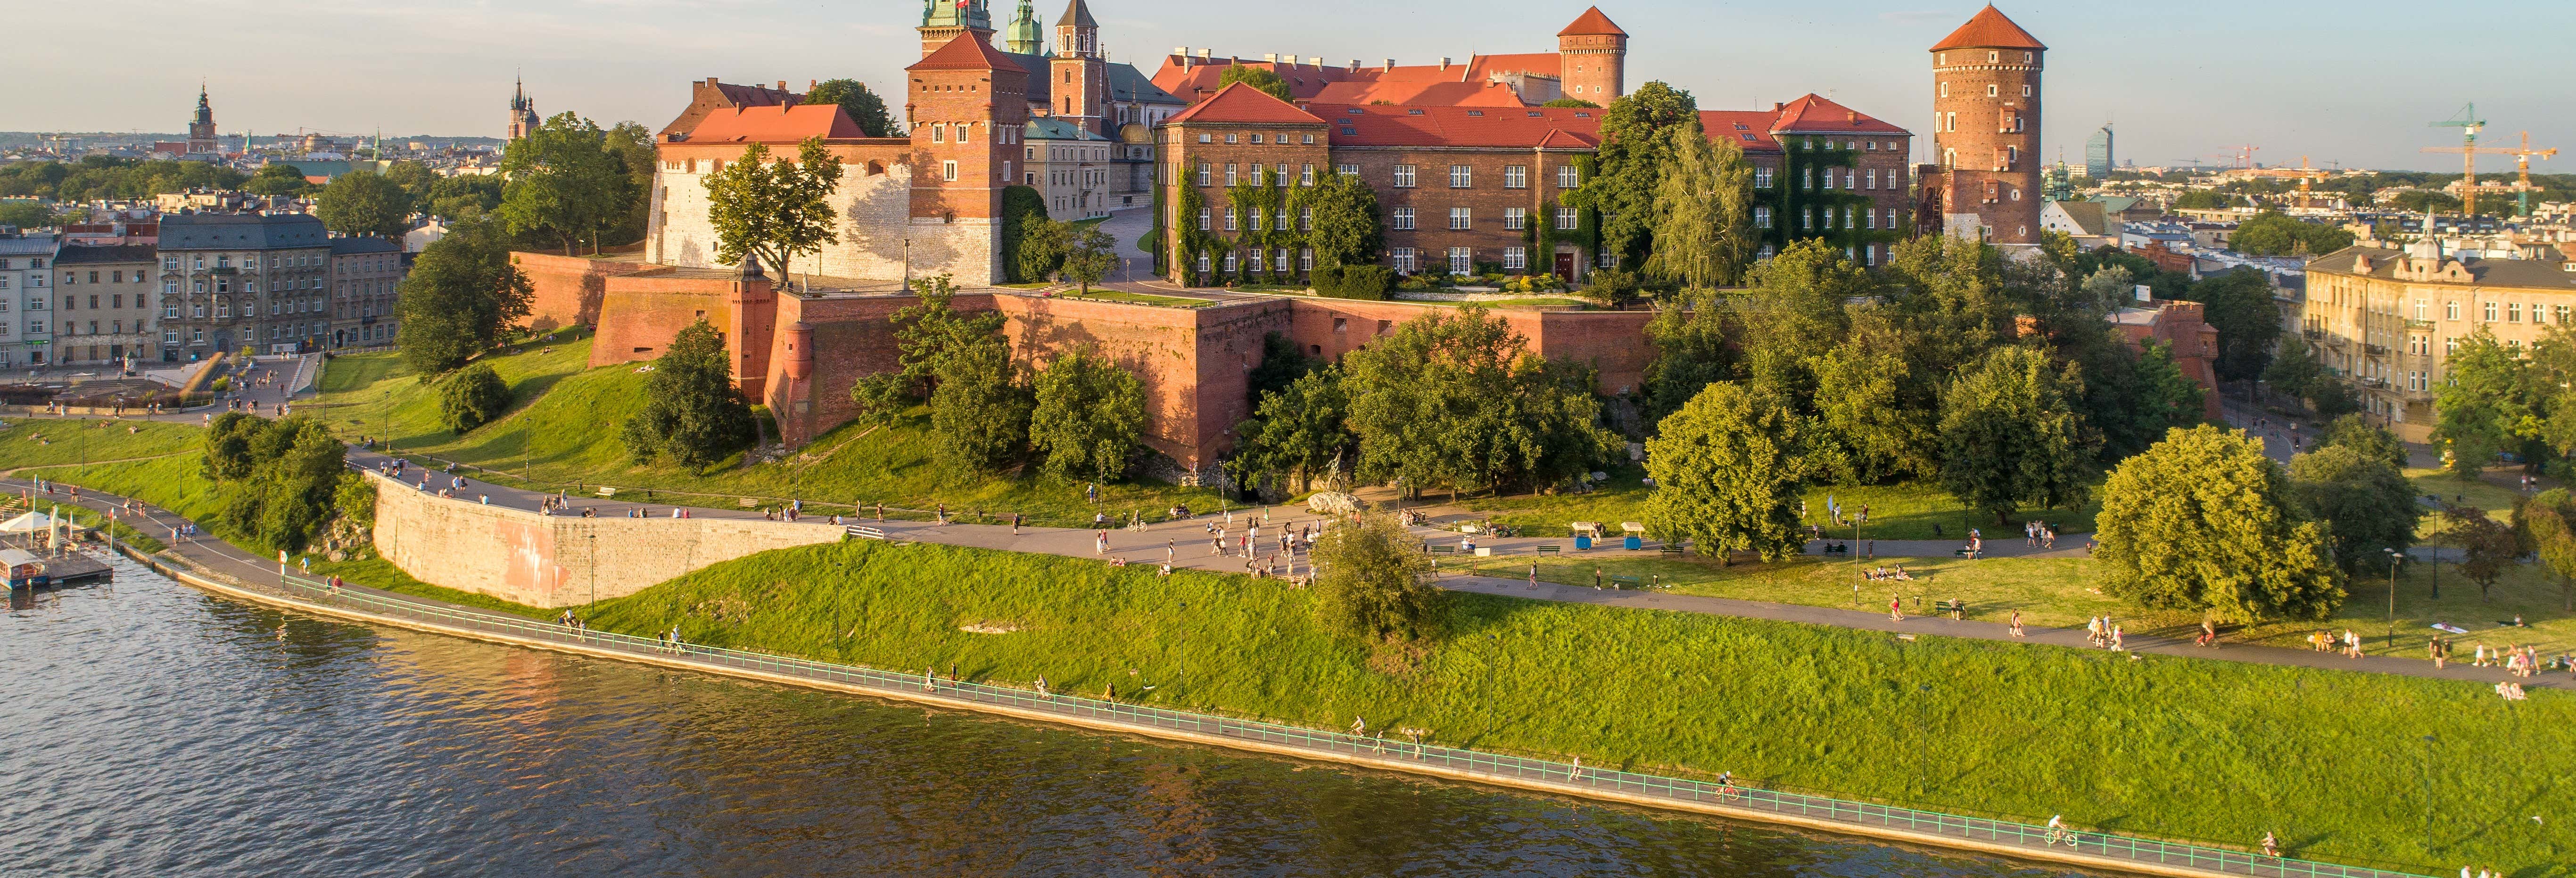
2065 835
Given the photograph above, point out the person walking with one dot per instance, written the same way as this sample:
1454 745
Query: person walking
1896 608
1533 577
1596 579
2016 624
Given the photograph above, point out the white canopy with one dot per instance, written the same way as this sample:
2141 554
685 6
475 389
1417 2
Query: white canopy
28 523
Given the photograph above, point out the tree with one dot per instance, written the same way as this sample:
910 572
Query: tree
2009 437
692 411
1729 470
25 215
1090 414
1023 209
278 178
1456 401
2166 398
2295 370
1261 78
461 296
1630 165
1043 245
2239 305
1368 582
562 181
1090 255
774 211
2109 289
2371 441
2203 199
2486 545
1693 347
926 334
855 99
274 480
1348 228
465 197
1573 103
471 397
416 180
979 413
1703 224
2272 234
2367 506
364 203
1875 432
1297 434
2547 523
1281 365
2481 410
634 148
2202 521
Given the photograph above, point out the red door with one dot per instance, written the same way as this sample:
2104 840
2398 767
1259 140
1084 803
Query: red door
1565 266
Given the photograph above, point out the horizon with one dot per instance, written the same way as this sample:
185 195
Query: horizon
2099 70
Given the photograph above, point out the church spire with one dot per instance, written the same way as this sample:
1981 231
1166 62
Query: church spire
1025 37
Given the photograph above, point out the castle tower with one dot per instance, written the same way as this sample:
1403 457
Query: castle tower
967 104
942 21
1594 55
201 127
523 111
1024 36
1985 137
1079 74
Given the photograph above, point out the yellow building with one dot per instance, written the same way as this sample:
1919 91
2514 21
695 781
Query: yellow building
2386 320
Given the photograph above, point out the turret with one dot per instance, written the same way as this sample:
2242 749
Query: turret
1024 36
1986 98
1593 56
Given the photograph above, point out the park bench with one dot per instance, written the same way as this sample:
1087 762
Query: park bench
1671 549
1956 609
746 502
1625 581
1550 549
1443 550
1962 552
867 533
606 491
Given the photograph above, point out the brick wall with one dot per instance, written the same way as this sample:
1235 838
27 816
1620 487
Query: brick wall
559 561
1989 129
639 315
568 289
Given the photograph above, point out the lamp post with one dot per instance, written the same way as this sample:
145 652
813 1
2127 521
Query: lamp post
2394 557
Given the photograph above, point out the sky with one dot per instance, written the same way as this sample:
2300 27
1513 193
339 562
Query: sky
2345 84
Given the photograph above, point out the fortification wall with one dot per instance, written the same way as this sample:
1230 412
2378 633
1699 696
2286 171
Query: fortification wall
879 239
559 561
568 289
640 315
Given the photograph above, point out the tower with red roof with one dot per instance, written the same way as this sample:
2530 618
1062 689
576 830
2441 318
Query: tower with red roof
1985 140
1594 58
1077 89
966 103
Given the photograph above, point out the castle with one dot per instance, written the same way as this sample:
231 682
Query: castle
1466 161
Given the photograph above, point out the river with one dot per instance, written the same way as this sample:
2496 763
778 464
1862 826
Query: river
153 729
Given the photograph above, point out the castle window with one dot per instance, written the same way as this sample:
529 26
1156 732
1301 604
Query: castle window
1515 258
1807 219
1203 173
948 170
1461 177
1567 219
1990 90
1872 146
1279 260
962 128
1306 139
1230 138
2025 91
1306 175
1516 177
1402 219
1281 171
1282 225
1808 180
1233 176
938 134
1257 174
1229 263
1404 176
1256 140
1347 170
1762 176
1514 218
1945 89
1994 56
1568 177
1761 217
1461 219
2513 312
1872 217
1230 219
1203 263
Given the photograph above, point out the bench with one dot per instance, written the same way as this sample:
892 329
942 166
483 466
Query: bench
606 491
867 533
1550 549
1623 581
746 503
1956 609
1963 553
1443 550
1671 549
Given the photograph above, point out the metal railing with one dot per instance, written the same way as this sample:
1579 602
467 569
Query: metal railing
1862 816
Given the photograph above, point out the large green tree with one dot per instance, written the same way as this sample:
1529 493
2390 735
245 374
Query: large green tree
1630 167
634 148
2010 438
2239 305
1089 418
274 481
926 334
562 181
2204 521
1297 434
2371 441
2547 523
1457 401
460 297
1348 228
862 104
1729 470
1261 78
278 178
1368 582
1090 255
692 410
1703 223
2272 234
1874 426
2486 545
2367 506
2482 406
2294 370
774 211
979 413
364 203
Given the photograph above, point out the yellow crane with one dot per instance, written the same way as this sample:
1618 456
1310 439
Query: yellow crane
2469 124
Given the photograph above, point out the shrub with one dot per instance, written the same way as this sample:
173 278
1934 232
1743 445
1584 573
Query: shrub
1353 281
471 397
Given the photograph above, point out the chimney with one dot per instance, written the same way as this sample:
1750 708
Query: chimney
1355 65
782 86
1390 65
1315 61
1444 63
1271 58
1777 106
711 81
811 83
1205 54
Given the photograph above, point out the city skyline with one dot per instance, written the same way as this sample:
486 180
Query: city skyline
612 60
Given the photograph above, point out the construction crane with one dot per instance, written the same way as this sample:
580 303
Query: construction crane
2469 124
2522 187
2245 156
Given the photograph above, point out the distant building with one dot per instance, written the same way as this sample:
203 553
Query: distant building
2097 154
201 129
2085 221
235 281
523 112
26 294
2387 321
364 273
107 312
1070 166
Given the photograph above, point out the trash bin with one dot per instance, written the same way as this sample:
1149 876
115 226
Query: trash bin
1582 543
1632 544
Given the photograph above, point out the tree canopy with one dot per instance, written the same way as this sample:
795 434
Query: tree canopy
979 413
364 203
1703 204
1089 417
1630 167
2010 438
2367 505
274 480
692 411
1261 78
1729 470
1455 401
776 210
2239 305
926 334
862 104
1298 432
461 296
2272 234
2203 521
562 181
1368 582
471 397
1348 228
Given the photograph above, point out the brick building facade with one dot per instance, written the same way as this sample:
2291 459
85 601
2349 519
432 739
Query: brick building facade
1986 99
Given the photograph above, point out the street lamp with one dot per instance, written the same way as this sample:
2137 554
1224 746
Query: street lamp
2394 557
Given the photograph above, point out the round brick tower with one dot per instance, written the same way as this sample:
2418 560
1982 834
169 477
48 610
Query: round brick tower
1985 104
1594 56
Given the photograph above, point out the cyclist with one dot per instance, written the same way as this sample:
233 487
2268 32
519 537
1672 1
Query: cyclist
2057 830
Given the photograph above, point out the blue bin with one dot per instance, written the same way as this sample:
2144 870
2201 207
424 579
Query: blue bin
1581 543
1632 544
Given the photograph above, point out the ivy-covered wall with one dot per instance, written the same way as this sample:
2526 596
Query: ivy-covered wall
1798 188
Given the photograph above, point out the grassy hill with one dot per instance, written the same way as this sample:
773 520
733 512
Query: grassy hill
2332 761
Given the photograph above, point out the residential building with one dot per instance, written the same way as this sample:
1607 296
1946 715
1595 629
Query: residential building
107 314
229 282
2387 321
365 273
2084 221
1986 101
26 294
1069 165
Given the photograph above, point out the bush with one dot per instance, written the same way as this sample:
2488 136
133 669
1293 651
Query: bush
471 397
1353 281
1611 286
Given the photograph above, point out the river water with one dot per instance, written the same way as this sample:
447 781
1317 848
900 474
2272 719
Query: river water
153 729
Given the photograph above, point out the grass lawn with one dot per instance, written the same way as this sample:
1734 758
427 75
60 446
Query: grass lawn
2331 761
1541 302
567 438
51 441
378 395
1896 512
1138 298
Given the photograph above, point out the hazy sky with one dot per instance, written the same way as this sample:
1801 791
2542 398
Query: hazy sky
2350 82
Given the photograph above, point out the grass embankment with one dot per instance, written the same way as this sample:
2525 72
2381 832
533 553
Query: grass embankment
2333 762
1896 512
567 438
56 441
1138 299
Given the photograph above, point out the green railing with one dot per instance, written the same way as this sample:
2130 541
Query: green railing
2038 840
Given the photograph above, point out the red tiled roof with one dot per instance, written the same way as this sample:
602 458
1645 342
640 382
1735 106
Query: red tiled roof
1419 94
968 51
1243 103
1989 29
1591 24
775 125
756 95
1749 129
1409 84
1541 63
1516 127
1815 115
